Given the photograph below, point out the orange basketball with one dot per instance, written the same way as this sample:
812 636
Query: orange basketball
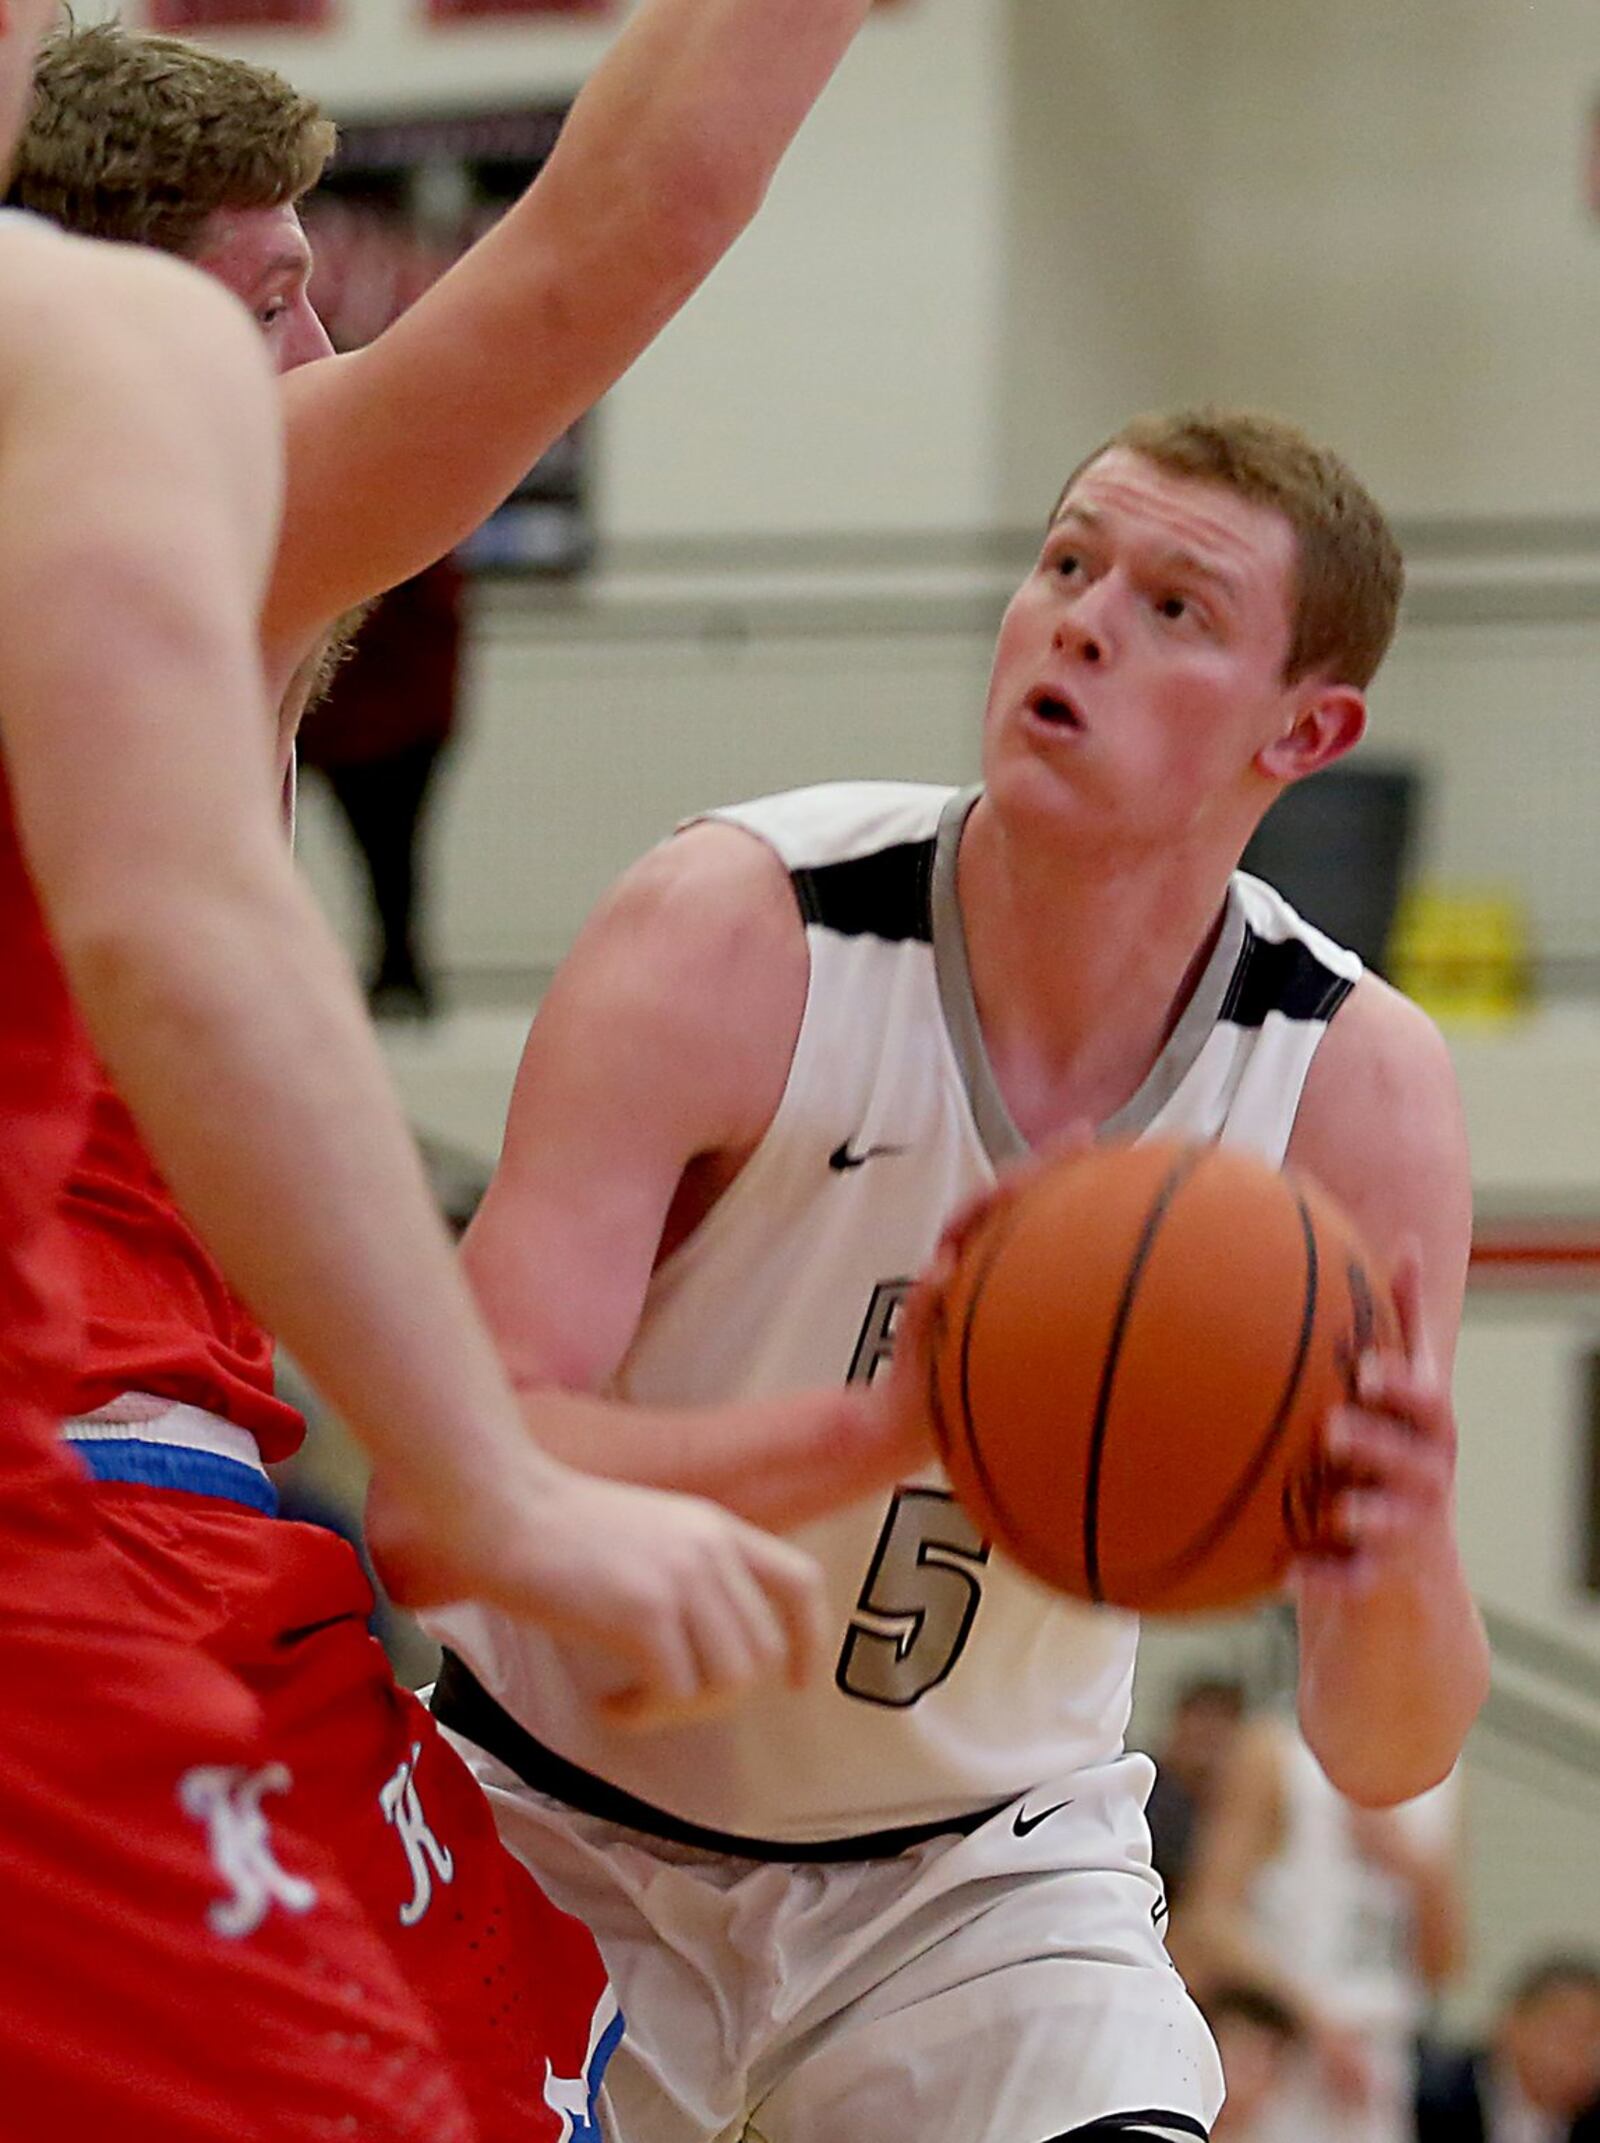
1132 1365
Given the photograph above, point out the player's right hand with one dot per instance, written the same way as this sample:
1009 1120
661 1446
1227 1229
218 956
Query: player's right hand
697 1604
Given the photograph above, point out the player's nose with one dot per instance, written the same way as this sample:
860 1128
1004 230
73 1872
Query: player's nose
307 340
1083 634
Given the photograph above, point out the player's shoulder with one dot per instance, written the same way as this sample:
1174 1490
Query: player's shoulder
1380 1122
89 307
841 821
1264 1742
59 271
1384 1049
694 963
702 925
719 906
713 881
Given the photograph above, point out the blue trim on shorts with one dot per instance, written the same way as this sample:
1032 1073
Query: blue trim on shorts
595 2075
196 1473
610 2040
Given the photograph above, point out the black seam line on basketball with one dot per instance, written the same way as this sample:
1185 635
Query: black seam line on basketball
1181 1170
1003 1230
1196 1552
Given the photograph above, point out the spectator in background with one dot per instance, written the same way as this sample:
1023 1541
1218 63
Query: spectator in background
1205 1716
387 715
377 736
1539 2079
1351 1917
1260 2045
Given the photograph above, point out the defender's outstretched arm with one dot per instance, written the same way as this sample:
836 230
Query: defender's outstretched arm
397 451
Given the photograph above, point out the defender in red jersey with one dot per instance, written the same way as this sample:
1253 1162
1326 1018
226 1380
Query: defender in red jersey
163 1977
660 163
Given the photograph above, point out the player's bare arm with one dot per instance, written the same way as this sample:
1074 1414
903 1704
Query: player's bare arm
135 534
651 1073
397 451
1394 1661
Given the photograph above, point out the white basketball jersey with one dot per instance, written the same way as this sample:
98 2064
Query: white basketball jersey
954 1682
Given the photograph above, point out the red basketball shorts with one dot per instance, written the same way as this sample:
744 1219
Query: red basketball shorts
514 1989
164 1976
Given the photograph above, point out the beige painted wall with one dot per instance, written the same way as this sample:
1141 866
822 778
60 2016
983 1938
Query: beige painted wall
1010 220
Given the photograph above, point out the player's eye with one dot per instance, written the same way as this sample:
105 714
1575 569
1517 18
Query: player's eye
1175 608
1068 563
273 311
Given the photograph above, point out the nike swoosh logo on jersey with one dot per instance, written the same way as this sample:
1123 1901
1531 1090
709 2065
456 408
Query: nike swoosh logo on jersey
842 1158
1022 1822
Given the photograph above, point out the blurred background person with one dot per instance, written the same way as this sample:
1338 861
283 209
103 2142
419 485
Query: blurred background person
377 737
1261 2047
1538 2080
389 708
1205 1716
1351 1917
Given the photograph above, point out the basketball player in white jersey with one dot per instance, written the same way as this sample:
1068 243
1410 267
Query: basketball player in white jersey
917 1901
1352 1918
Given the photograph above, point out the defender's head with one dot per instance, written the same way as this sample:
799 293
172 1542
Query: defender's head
152 141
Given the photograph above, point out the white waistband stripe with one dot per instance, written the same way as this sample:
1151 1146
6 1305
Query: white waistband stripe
137 1417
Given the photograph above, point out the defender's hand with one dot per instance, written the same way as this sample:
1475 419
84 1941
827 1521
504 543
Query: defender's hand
698 1604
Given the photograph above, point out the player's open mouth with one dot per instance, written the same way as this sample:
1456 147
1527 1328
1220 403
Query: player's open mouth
1054 711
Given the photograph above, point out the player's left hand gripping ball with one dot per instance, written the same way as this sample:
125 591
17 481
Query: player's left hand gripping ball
1395 1446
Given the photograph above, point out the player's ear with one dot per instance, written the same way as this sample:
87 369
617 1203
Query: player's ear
1327 720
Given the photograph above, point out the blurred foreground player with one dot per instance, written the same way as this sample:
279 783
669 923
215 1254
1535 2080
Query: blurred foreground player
162 1974
394 452
916 1899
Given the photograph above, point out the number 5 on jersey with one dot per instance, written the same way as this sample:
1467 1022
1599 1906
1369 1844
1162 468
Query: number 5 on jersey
918 1601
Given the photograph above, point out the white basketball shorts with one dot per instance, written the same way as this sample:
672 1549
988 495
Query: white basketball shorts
1011 1986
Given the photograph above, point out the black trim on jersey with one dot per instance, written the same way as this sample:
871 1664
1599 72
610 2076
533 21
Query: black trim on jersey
885 895
1280 975
1147 2127
461 1703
